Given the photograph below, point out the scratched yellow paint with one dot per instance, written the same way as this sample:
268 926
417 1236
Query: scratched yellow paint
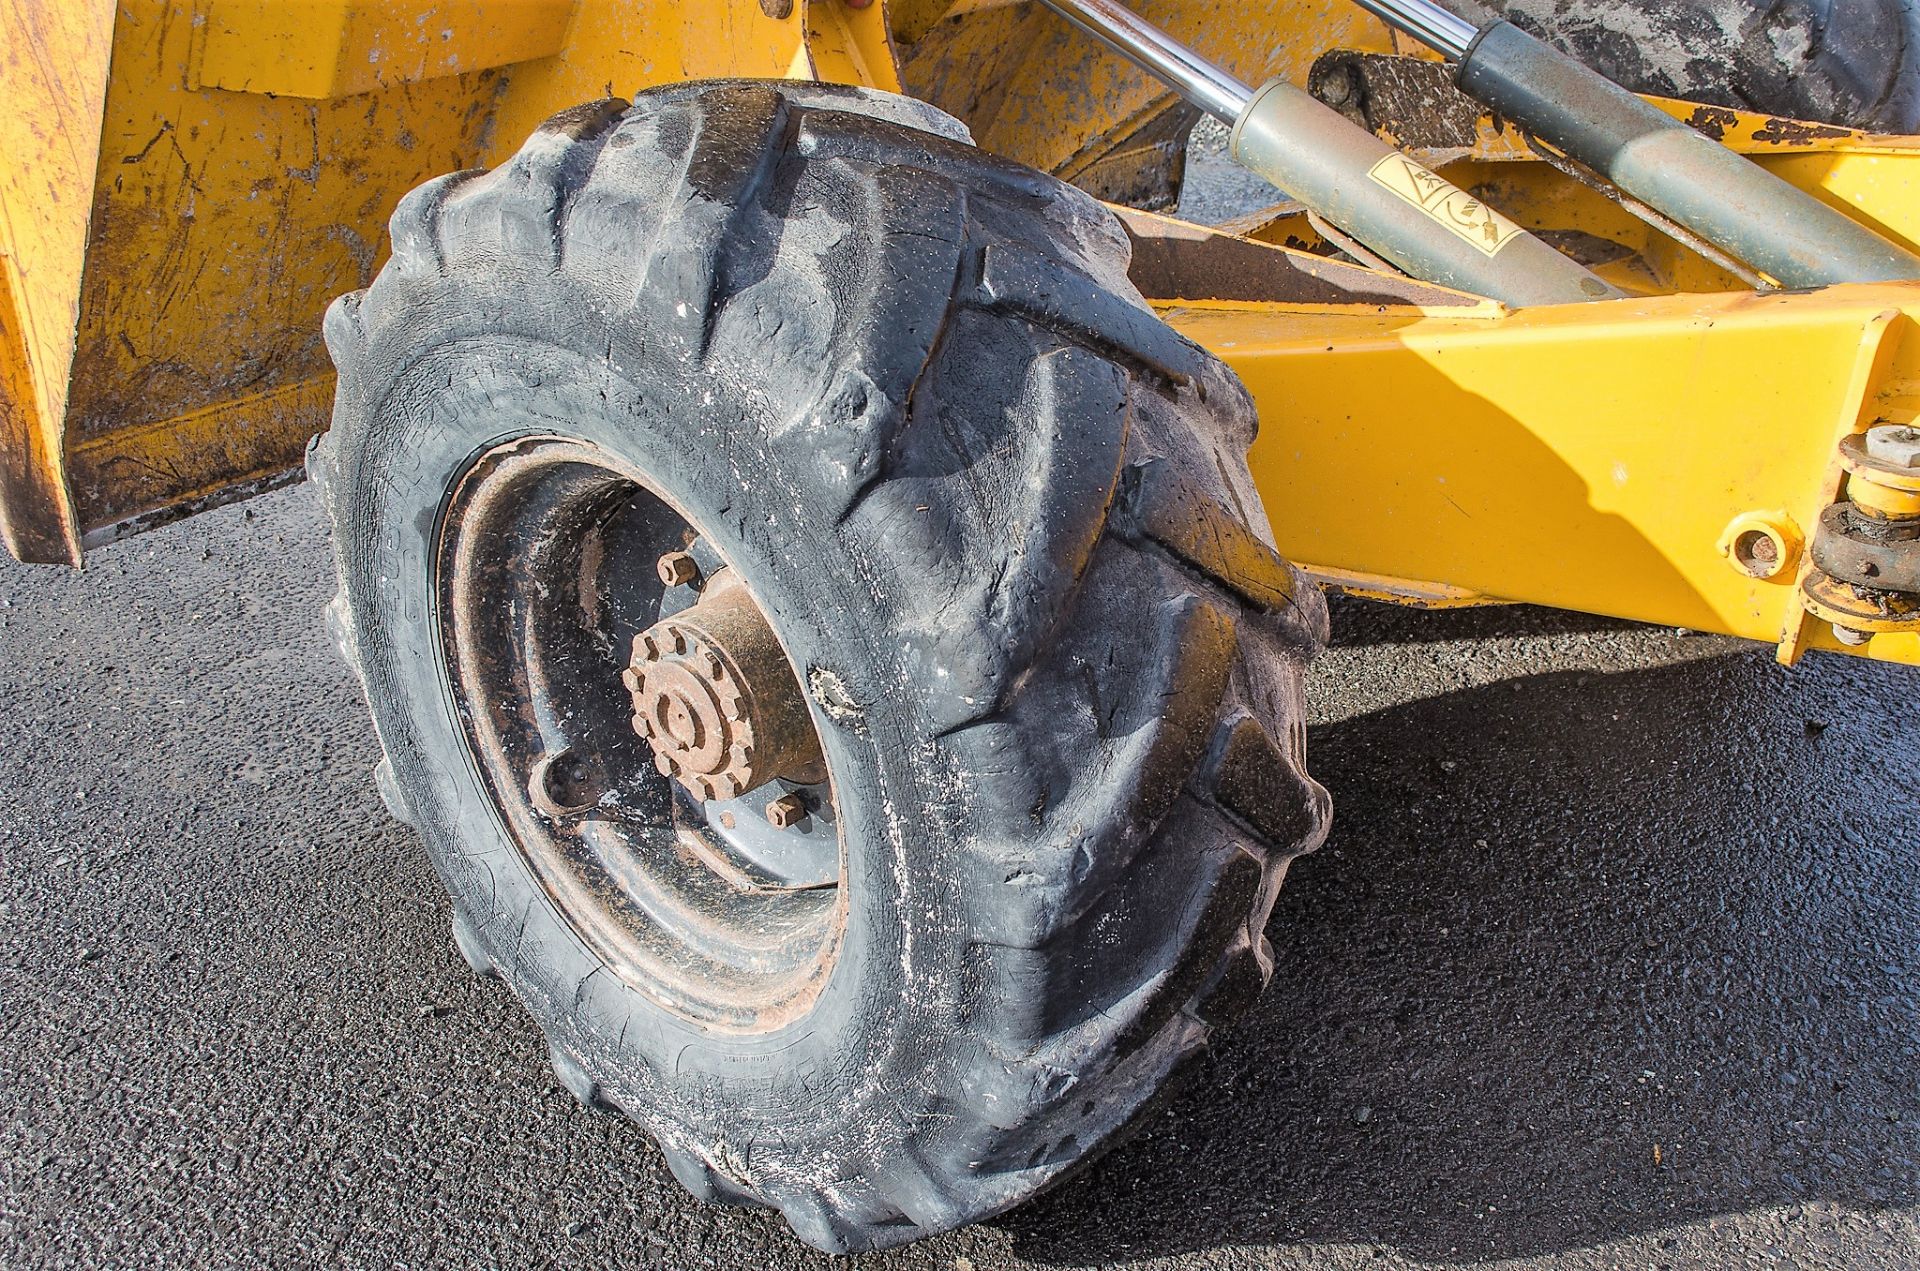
223 221
323 49
1058 103
53 79
179 230
616 48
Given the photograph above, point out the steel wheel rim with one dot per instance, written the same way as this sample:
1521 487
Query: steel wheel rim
545 573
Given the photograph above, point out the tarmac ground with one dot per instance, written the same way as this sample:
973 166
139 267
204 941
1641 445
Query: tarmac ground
1609 961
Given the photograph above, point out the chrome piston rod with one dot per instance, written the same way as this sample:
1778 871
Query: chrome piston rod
1360 184
1735 204
1433 26
1212 88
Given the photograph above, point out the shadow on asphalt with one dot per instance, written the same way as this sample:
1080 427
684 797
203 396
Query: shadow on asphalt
1678 985
1360 624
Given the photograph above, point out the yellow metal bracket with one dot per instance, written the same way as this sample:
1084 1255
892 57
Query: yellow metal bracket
845 45
1870 398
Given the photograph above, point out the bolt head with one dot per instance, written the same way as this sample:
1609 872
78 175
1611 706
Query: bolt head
1336 87
786 811
677 569
1757 554
1896 445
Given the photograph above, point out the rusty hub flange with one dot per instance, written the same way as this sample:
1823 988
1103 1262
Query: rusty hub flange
715 697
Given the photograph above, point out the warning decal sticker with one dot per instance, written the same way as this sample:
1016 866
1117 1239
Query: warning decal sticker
1453 207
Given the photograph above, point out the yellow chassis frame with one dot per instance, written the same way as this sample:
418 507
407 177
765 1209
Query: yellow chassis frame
189 183
1594 459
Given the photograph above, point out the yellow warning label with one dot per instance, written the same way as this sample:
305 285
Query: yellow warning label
1453 207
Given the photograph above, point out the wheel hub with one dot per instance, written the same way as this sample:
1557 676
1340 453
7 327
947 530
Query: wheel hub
715 697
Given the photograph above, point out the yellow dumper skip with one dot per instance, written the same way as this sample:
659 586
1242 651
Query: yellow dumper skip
173 230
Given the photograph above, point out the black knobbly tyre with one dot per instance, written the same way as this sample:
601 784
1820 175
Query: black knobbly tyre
845 457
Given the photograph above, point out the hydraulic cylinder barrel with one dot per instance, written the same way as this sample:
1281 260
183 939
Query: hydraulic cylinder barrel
1394 207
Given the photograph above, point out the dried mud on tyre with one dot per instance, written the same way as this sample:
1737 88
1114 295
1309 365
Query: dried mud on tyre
999 519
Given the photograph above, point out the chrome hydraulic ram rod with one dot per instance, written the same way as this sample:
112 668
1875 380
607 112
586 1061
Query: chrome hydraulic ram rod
1736 205
1393 206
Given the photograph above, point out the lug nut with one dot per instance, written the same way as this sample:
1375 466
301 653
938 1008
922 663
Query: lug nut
561 785
786 811
677 569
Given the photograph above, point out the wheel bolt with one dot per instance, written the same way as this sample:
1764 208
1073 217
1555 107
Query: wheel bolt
677 569
786 811
562 785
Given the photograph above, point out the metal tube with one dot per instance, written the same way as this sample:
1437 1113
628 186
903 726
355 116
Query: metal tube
1353 179
1426 22
1210 87
1736 205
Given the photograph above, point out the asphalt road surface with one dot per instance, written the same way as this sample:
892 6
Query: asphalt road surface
1610 961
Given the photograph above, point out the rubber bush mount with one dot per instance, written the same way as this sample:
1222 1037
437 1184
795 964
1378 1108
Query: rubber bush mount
997 510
